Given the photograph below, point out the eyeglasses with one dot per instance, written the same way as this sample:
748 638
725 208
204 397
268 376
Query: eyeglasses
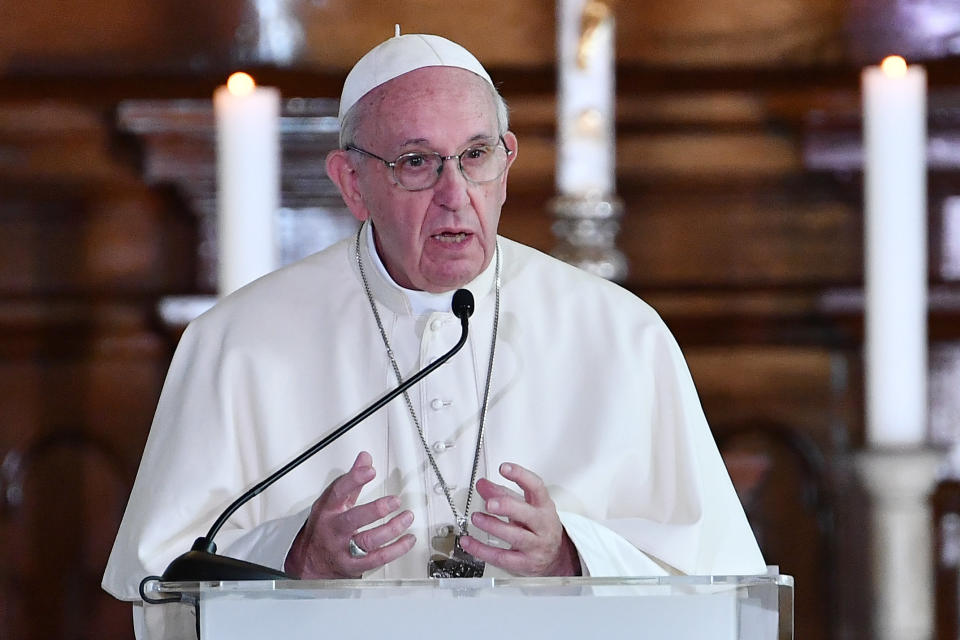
419 170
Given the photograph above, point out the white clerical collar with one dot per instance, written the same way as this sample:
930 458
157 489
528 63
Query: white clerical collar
419 302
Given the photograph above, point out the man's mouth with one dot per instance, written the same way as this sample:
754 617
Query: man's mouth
450 237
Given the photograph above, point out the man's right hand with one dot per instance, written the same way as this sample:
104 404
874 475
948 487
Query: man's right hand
322 548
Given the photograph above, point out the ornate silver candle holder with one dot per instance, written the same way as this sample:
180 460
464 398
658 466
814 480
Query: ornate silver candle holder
586 228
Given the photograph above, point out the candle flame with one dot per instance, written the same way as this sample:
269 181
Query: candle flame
894 66
240 84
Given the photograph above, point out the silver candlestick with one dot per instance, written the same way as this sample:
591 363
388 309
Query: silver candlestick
586 228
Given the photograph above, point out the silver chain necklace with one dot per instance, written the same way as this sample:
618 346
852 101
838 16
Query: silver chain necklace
461 564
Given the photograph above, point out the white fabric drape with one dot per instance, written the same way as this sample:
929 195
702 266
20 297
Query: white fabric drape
589 390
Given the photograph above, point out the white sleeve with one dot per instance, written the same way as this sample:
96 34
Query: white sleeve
164 621
605 553
266 544
669 506
201 437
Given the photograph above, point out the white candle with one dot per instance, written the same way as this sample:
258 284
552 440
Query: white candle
585 99
895 244
248 180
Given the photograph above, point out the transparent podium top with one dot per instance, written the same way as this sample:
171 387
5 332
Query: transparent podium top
689 607
471 587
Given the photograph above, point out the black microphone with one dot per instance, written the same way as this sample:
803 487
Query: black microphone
202 564
462 305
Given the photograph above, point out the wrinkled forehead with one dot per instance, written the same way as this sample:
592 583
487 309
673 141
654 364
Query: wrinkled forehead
441 99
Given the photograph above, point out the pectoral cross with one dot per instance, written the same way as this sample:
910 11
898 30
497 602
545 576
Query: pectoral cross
459 565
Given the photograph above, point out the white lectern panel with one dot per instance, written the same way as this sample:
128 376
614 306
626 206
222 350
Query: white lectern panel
683 608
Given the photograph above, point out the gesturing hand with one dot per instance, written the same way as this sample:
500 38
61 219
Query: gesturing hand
322 548
539 546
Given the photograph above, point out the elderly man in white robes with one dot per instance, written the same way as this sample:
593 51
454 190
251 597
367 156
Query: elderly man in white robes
566 438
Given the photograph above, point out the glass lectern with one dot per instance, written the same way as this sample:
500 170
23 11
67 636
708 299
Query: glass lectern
675 607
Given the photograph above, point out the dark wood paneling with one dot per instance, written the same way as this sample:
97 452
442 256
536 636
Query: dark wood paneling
946 522
116 35
115 244
47 557
730 236
81 382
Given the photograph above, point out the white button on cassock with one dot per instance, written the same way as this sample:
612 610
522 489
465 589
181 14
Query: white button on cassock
440 446
436 325
438 488
436 404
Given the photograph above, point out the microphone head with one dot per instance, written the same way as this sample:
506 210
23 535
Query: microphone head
462 305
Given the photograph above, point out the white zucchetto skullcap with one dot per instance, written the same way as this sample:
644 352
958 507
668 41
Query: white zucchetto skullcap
400 55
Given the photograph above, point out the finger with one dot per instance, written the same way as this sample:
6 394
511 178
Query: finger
363 459
516 561
345 489
365 514
370 539
534 490
488 489
384 555
516 536
517 511
509 559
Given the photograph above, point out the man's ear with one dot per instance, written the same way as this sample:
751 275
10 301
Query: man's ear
344 175
511 141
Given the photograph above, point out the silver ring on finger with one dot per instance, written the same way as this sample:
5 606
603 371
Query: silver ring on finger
355 550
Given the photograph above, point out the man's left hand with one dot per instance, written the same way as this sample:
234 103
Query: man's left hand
539 545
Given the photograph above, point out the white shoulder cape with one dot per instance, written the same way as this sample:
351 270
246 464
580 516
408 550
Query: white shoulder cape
589 390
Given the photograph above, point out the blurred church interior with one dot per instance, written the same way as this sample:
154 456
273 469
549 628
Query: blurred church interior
738 162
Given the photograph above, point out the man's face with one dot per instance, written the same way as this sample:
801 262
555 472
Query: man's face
442 237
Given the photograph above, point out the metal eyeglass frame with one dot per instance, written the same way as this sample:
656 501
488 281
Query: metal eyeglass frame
443 159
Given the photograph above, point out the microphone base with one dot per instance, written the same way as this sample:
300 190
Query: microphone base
202 566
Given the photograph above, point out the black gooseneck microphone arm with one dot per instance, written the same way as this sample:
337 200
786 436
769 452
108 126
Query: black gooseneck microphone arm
202 564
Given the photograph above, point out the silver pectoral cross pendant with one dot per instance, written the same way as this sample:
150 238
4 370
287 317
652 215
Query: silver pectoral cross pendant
459 565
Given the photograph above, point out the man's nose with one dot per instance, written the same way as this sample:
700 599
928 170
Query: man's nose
451 188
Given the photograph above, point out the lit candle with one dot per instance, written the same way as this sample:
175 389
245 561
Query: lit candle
248 180
895 244
585 99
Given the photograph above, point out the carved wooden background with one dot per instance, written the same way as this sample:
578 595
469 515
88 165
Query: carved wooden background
742 227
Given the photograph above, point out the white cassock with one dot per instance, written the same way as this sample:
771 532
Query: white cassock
589 391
